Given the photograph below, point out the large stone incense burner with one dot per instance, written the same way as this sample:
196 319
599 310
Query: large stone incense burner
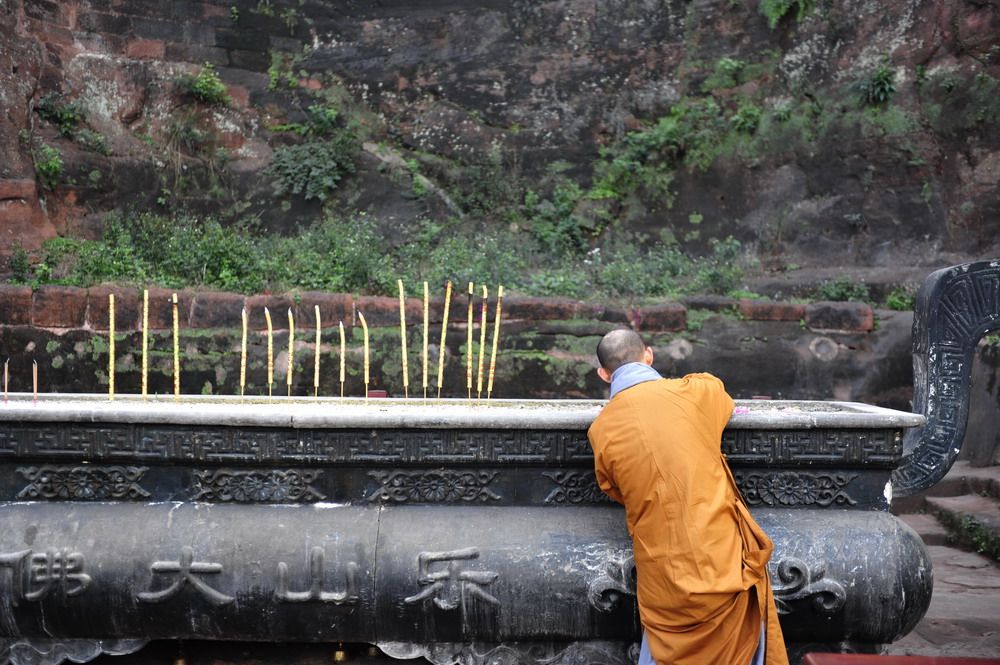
451 530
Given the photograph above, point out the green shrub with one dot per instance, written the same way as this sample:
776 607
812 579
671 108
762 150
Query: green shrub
720 273
843 290
19 265
48 166
554 222
746 118
205 87
775 10
65 116
92 141
725 74
901 299
878 87
312 170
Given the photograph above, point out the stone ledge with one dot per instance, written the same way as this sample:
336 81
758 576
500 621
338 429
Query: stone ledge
128 308
216 309
59 307
15 305
840 317
668 317
769 310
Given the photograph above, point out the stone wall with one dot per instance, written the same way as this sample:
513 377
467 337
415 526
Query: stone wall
448 83
783 350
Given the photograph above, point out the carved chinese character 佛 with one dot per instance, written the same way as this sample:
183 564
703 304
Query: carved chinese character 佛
36 574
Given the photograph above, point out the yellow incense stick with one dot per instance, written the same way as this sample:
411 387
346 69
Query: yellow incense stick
426 334
291 351
316 355
6 378
482 343
343 362
496 338
270 351
34 379
364 328
444 333
243 355
468 344
177 350
145 343
402 337
111 347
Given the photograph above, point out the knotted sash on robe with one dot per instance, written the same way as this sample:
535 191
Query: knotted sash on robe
701 559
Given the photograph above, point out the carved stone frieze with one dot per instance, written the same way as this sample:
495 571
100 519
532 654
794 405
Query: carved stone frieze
793 580
592 652
82 483
574 487
794 488
437 486
231 445
38 651
255 486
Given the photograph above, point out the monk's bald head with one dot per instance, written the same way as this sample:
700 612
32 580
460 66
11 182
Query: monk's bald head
619 347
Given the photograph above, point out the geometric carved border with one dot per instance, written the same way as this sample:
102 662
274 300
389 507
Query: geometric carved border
238 445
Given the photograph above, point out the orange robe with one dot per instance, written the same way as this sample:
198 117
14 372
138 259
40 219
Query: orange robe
701 559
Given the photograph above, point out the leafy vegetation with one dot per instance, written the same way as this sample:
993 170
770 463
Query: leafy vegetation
312 170
48 165
878 87
901 299
350 254
776 10
66 116
205 87
843 290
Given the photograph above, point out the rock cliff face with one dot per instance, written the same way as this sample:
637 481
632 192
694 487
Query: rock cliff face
863 133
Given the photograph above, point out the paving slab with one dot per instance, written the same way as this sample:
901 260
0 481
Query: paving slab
964 615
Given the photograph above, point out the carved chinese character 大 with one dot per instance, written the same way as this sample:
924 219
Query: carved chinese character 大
34 575
188 573
317 563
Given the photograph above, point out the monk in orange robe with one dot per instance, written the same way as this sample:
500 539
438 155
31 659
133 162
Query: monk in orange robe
701 560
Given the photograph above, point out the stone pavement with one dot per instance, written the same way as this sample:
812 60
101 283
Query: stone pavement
964 614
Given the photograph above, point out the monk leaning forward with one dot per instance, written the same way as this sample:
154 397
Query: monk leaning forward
701 559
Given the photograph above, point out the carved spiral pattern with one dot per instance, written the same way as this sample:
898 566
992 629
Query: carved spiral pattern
438 486
790 488
795 581
82 483
275 486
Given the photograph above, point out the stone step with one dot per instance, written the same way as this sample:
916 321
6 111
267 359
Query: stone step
972 520
961 479
930 530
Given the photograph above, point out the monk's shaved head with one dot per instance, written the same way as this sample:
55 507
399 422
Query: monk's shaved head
619 347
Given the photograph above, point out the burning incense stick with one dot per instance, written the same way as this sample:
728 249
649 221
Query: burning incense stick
482 343
364 327
145 343
426 335
111 347
468 344
270 351
291 351
316 355
402 338
34 379
444 333
177 351
343 363
243 355
6 378
496 338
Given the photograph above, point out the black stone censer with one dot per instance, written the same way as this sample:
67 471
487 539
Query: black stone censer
454 530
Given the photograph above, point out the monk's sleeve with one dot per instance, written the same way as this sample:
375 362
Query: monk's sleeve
604 480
